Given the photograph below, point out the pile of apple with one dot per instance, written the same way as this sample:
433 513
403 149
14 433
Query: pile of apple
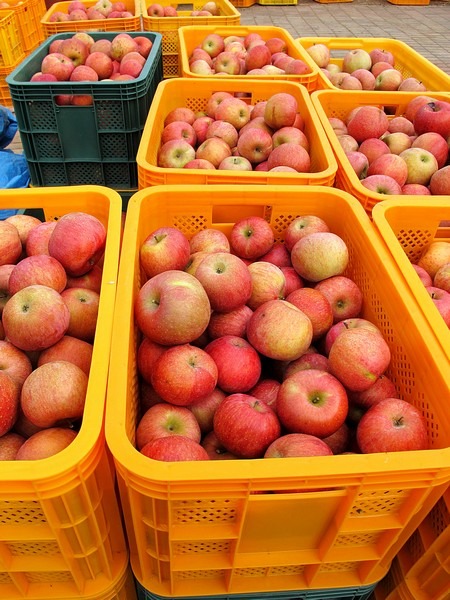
433 269
254 348
103 9
210 9
81 58
50 278
362 70
406 154
248 55
233 135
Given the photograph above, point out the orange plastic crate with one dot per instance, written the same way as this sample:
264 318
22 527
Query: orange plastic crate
61 533
408 227
331 103
183 92
243 3
125 24
410 2
28 21
408 61
11 49
192 36
199 528
169 26
5 93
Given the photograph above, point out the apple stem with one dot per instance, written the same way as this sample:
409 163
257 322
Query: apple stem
398 422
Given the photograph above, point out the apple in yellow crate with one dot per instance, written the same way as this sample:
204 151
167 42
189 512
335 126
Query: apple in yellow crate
9 402
14 362
165 419
9 445
38 269
174 448
10 243
46 443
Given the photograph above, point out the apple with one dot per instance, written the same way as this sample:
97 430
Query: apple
54 392
382 184
441 278
200 126
5 272
411 84
255 145
293 445
209 240
316 307
238 363
416 189
434 256
423 275
175 154
40 269
311 359
312 401
155 10
251 237
277 255
397 142
144 45
345 324
58 17
165 419
199 163
319 255
382 388
213 44
14 362
204 409
379 67
214 150
359 163
434 143
350 83
83 307
69 349
9 402
9 445
226 280
358 357
266 389
401 124
441 300
388 80
77 242
131 67
227 62
46 443
373 148
43 77
245 425
290 135
181 113
174 448
257 56
392 165
147 354
194 260
302 226
101 63
91 280
233 322
280 110
380 54
121 45
233 110
290 155
356 59
279 330
267 283
24 224
35 318
421 165
235 163
440 182
320 53
224 130
215 450
213 102
366 78
339 440
164 249
433 116
368 122
10 243
392 425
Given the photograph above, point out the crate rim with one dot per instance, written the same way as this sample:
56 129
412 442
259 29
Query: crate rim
78 451
255 469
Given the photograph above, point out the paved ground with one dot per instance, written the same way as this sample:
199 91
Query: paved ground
424 28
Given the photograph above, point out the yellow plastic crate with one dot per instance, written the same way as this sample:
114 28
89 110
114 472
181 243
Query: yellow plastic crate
169 26
199 528
5 94
61 533
182 92
277 2
243 3
410 2
331 103
408 61
408 226
192 36
11 49
28 20
125 24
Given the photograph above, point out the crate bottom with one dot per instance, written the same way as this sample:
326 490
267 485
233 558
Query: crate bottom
116 175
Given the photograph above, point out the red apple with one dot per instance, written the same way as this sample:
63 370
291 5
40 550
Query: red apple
293 445
215 450
92 280
440 182
10 243
367 122
233 322
251 237
339 440
14 362
441 300
267 283
9 402
344 296
280 110
382 388
9 445
293 280
316 307
83 307
164 249
209 240
433 116
165 419
434 143
311 359
174 448
40 269
301 227
345 324
70 349
46 443
238 363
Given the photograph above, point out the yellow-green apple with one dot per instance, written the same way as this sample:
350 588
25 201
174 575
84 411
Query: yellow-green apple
339 441
320 53
421 165
92 280
401 124
172 308
9 402
311 359
416 189
9 445
290 155
174 448
441 278
35 318
227 62
434 143
215 450
440 182
280 110
233 322
267 283
46 443
234 111
316 307
382 388
388 80
433 116
358 357
181 113
279 330
213 149
224 130
53 392
38 269
200 126
213 44
238 363
356 59
319 255
84 37
344 296
423 275
345 324
245 425
251 237
392 425
209 240
359 163
226 279
373 148
75 49
164 249
83 309
392 165
235 163
382 184
164 419
213 102
301 227
10 243
365 77
204 409
312 401
77 242
278 255
121 45
368 122
70 349
441 300
175 153
397 142
411 84
255 144
14 362
272 70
